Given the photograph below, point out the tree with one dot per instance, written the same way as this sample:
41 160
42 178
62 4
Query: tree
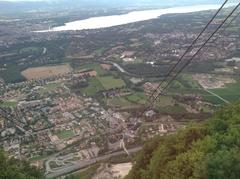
11 168
200 151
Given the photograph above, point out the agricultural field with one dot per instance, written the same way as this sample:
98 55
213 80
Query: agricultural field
93 88
226 88
109 82
133 100
231 92
165 101
137 98
97 84
213 99
120 102
46 71
177 109
96 67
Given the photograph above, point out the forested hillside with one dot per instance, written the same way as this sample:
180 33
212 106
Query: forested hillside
209 150
11 168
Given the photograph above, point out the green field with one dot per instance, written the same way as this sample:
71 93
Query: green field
109 82
38 157
50 87
95 67
188 82
172 109
8 104
137 97
133 100
230 93
97 84
186 85
120 102
31 50
94 87
165 101
65 134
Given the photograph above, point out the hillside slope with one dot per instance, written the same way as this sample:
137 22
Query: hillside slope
11 168
210 150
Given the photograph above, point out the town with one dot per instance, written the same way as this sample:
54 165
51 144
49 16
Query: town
81 96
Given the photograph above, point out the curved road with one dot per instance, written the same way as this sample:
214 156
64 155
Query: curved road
85 163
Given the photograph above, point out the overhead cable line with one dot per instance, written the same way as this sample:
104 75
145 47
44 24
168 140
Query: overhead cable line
227 26
199 50
188 49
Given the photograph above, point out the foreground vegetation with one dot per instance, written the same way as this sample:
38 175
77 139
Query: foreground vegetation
208 150
15 169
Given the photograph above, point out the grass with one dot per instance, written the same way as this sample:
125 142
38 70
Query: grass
165 101
94 87
120 102
213 99
188 82
50 87
8 104
173 110
30 50
109 82
96 67
38 157
137 97
99 51
231 92
65 134
97 84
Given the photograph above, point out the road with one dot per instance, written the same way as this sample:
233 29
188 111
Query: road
119 68
85 163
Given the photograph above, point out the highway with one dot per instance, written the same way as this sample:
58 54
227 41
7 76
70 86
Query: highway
85 163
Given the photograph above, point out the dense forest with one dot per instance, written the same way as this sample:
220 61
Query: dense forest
200 151
11 168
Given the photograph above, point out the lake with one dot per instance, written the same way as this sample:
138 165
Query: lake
131 17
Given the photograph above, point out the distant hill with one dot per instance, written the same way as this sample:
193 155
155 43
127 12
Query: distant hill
9 6
201 151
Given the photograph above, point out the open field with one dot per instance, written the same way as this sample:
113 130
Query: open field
120 102
109 82
30 50
8 104
95 67
165 101
94 87
38 157
137 97
97 84
212 81
7 55
46 71
231 92
50 87
65 134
